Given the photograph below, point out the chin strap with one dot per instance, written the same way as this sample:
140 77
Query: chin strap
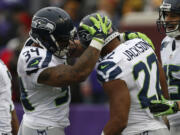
111 37
175 33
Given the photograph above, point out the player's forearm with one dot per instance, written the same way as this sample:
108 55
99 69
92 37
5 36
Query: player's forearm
65 74
114 127
178 105
14 123
119 103
86 62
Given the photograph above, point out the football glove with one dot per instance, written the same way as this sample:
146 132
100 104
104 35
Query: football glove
131 35
163 107
99 30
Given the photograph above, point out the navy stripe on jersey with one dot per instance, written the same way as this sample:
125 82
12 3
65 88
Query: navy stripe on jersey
32 71
163 45
100 78
47 59
114 73
29 42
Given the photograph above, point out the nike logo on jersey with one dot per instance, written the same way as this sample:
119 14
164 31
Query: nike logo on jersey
104 66
35 63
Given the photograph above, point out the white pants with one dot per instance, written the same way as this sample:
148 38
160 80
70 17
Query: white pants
24 130
162 131
175 130
5 133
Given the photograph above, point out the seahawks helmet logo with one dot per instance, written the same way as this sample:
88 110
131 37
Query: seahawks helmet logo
43 23
84 35
165 6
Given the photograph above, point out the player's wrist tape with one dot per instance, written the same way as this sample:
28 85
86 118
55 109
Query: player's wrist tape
97 43
122 38
102 133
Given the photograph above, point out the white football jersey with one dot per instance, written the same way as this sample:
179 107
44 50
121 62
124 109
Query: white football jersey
134 62
170 57
43 105
6 104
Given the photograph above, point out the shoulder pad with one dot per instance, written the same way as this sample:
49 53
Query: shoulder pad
107 71
165 42
35 58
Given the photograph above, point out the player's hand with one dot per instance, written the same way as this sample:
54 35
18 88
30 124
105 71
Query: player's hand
100 28
131 35
163 107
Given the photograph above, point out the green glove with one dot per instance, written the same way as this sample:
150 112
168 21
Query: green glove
100 29
163 107
132 35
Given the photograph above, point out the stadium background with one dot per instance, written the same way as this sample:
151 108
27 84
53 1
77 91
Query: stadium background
89 105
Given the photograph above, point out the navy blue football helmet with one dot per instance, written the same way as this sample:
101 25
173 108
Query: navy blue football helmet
172 6
85 37
52 28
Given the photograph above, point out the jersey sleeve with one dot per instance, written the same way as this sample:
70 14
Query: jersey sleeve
107 71
5 88
34 61
37 63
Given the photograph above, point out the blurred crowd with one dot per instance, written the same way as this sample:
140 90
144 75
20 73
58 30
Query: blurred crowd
15 22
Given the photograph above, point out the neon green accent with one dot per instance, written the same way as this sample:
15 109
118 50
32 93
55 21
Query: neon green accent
144 37
35 63
99 40
133 35
99 24
91 30
104 66
169 103
95 21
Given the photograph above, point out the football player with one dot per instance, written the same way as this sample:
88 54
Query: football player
8 120
129 73
169 22
45 76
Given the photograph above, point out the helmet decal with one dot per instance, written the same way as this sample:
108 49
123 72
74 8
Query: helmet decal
43 23
165 6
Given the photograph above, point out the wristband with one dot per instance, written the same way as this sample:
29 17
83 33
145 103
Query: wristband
121 35
97 43
111 37
102 133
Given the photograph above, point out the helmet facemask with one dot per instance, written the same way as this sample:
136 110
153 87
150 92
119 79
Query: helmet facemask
65 44
57 46
61 46
171 28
